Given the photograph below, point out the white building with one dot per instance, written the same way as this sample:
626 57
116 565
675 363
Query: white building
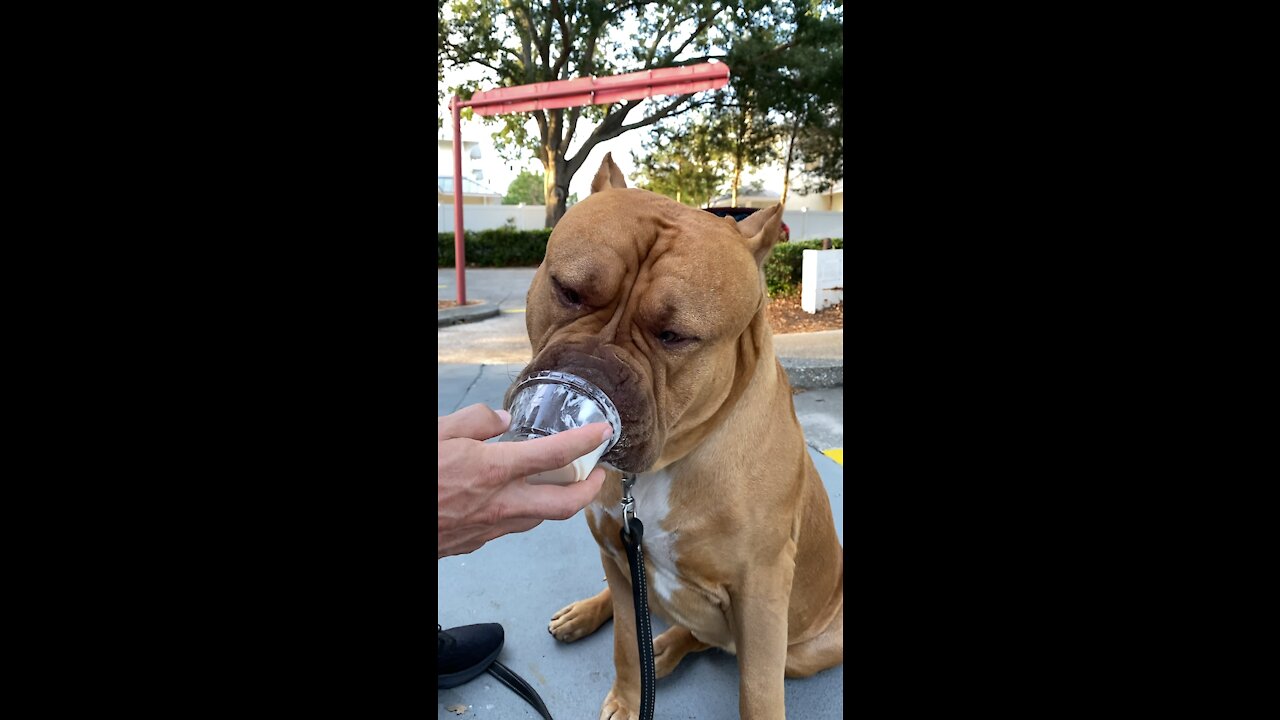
832 200
476 167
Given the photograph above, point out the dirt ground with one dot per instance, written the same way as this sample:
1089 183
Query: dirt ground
785 315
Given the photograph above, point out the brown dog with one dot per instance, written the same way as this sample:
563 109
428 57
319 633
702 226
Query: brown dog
661 306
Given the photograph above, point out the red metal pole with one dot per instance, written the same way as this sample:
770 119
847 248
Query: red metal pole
459 249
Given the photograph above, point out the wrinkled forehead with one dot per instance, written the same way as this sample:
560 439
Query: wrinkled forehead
634 217
674 251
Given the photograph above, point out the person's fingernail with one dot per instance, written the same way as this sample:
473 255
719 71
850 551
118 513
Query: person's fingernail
608 432
506 417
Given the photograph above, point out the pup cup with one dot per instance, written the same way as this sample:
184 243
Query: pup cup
549 402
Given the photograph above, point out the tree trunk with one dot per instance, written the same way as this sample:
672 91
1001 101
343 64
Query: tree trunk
556 188
737 178
786 174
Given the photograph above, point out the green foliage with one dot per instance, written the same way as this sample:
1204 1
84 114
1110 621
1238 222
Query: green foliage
501 247
785 265
811 100
784 101
528 188
680 163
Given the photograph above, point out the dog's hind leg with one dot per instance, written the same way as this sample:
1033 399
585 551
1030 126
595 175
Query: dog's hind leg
580 619
821 652
670 647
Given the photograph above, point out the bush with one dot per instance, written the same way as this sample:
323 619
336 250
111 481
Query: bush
785 265
508 247
501 247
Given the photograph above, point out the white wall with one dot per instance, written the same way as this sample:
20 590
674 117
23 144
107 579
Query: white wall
488 217
818 201
809 225
814 225
822 282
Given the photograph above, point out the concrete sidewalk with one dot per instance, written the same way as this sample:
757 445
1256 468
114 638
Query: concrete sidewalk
811 360
521 580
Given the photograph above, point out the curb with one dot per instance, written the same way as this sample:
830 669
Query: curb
467 313
813 374
802 373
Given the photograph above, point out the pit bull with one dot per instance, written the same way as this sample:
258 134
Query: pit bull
662 307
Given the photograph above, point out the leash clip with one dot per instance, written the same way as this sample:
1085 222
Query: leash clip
628 502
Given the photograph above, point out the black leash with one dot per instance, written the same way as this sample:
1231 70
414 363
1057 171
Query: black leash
631 534
521 688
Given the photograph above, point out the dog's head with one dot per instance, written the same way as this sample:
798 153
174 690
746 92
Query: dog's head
659 305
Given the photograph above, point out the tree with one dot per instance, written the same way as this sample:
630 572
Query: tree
740 115
527 188
786 99
681 163
517 42
810 98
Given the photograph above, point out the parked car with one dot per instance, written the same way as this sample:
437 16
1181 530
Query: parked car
740 213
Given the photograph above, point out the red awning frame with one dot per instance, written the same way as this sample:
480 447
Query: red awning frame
562 94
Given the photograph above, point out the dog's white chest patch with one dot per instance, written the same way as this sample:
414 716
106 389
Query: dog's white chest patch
652 495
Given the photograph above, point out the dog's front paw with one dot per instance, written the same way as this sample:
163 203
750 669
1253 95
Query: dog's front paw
576 620
616 708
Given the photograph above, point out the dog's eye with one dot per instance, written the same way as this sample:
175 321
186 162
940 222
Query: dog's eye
672 340
566 295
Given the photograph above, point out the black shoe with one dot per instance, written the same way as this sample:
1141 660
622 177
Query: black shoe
465 652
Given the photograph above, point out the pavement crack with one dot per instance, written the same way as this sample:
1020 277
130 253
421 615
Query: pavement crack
466 392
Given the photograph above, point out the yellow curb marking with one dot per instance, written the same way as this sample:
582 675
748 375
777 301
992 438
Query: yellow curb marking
514 310
836 454
441 287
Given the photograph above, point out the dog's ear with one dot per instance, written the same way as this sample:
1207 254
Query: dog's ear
608 176
762 230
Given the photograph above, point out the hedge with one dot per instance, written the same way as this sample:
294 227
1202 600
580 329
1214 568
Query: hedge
500 247
507 247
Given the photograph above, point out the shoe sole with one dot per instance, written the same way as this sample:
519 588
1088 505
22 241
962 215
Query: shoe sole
465 676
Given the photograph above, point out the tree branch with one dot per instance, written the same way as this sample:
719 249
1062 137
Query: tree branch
612 127
524 27
701 26
664 112
545 46
573 125
557 11
534 36
585 66
666 28
541 118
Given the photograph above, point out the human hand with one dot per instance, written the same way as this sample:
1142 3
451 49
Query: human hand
481 489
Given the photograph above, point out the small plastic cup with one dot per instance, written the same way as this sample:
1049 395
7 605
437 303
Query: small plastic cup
549 402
